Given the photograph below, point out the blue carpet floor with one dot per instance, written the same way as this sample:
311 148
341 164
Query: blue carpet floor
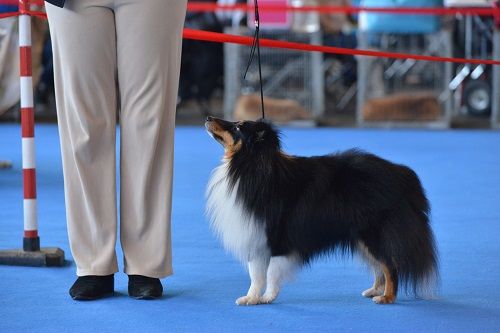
460 170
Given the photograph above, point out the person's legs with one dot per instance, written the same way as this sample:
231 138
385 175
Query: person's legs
83 40
149 35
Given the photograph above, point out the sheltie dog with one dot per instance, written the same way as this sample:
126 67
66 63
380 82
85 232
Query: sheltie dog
277 212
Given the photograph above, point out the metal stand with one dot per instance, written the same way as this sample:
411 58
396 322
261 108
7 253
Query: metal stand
495 107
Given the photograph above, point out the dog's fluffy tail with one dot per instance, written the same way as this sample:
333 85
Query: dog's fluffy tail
419 272
415 254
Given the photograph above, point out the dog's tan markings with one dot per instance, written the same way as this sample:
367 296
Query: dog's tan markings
227 138
214 128
225 135
230 146
388 297
232 149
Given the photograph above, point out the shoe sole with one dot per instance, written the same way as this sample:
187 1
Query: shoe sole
146 297
88 298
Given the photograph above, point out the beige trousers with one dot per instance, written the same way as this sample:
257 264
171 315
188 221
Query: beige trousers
115 56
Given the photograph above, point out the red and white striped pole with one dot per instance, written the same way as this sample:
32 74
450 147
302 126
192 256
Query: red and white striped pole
31 241
31 254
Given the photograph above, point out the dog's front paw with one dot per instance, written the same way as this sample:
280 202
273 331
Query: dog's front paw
373 292
267 298
384 299
247 300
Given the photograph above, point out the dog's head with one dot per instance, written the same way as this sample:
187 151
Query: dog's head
243 136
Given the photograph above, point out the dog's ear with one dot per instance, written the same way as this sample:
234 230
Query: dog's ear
264 134
263 126
260 135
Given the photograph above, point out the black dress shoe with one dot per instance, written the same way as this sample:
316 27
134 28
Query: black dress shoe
143 287
92 287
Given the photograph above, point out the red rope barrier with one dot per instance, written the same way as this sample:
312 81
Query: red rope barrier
28 12
211 7
37 14
243 40
5 15
16 2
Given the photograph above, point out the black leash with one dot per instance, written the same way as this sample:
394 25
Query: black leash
256 45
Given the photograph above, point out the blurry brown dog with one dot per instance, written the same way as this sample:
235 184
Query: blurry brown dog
403 107
248 107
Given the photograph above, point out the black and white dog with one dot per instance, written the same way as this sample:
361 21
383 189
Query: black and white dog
278 212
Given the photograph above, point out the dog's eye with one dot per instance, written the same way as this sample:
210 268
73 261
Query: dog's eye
237 128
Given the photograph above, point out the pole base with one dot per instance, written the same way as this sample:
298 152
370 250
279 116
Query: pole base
31 244
47 256
5 164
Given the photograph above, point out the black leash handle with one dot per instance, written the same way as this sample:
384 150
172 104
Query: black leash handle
256 45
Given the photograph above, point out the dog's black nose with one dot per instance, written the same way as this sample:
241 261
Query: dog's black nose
210 118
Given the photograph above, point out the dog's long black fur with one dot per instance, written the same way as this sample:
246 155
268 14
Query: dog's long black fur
313 206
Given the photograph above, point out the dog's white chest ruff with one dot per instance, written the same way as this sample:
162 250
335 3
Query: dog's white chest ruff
238 230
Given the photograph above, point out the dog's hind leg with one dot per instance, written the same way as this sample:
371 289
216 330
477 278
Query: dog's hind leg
378 285
280 268
257 269
391 286
385 287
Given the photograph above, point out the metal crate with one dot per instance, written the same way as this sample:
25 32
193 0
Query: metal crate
286 74
380 77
